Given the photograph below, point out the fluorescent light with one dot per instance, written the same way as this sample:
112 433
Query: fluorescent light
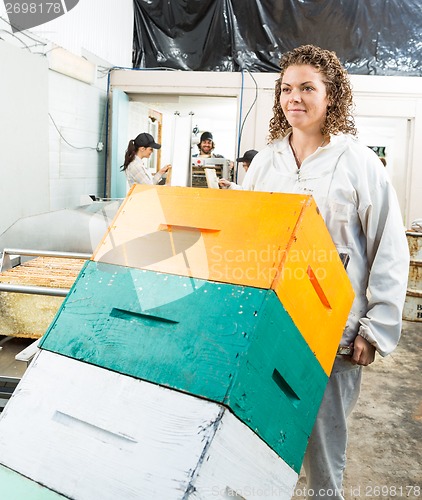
66 63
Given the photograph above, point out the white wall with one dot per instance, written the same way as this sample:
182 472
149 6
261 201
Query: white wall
40 171
138 121
76 168
102 27
24 175
391 101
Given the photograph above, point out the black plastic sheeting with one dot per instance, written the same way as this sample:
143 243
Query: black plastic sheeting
371 37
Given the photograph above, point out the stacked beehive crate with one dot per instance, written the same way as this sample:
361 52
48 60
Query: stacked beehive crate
190 357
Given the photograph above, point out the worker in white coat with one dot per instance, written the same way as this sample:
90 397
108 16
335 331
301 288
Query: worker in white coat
313 149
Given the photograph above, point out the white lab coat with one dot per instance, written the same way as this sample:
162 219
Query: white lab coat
360 208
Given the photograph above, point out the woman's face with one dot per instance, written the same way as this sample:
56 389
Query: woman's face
145 152
303 98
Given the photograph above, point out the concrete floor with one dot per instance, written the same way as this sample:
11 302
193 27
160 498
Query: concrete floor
384 459
9 367
385 442
9 347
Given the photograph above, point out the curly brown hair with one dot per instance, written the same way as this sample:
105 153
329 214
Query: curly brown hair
339 92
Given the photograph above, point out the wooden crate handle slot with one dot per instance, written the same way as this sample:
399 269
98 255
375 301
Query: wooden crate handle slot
318 288
130 315
174 227
286 388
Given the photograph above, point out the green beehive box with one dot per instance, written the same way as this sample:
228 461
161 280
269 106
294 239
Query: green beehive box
231 344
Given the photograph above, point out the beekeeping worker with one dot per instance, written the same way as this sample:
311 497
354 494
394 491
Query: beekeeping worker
313 149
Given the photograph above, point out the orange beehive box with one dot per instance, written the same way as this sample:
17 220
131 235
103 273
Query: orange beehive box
264 240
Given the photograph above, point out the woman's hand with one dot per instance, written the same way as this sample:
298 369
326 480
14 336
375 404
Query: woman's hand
164 169
363 352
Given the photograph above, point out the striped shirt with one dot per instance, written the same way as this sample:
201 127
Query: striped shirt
138 173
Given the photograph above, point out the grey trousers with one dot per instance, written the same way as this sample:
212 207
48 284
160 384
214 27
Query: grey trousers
325 457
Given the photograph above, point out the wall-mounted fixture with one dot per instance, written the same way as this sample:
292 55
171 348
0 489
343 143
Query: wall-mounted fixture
66 63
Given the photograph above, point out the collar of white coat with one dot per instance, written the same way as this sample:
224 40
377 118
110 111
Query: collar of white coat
323 163
338 143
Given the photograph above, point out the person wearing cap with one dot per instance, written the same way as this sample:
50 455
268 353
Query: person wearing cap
246 160
247 157
134 167
206 147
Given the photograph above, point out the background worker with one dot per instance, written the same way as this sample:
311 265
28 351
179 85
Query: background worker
206 147
134 166
246 160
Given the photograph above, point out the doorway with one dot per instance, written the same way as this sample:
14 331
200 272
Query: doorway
176 121
391 139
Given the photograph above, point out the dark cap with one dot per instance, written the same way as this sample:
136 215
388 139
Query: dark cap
206 136
248 156
146 141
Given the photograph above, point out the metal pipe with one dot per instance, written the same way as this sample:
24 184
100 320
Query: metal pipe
37 290
47 253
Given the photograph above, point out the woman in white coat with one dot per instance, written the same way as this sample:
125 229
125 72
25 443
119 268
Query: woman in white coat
313 149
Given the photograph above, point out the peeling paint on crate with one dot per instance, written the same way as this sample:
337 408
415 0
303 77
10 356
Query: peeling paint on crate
195 470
